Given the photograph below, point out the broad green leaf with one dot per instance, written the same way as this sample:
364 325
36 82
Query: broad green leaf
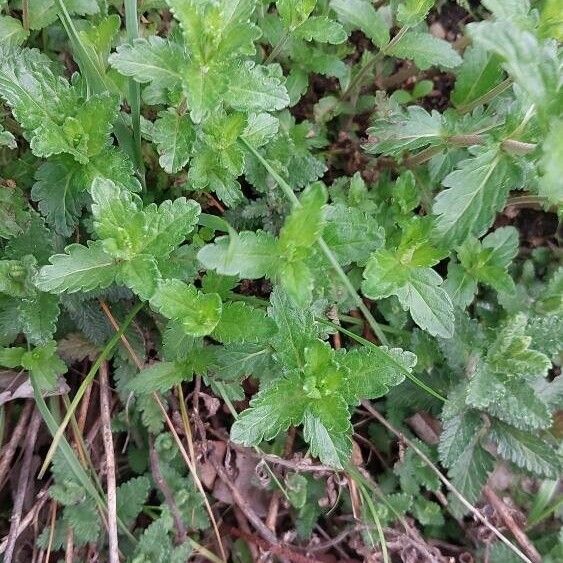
418 290
304 224
7 139
11 357
526 450
322 29
360 14
260 129
44 12
141 275
81 268
62 183
14 216
551 164
174 136
155 60
38 317
374 370
480 72
255 88
44 364
412 12
402 132
272 410
131 497
242 323
474 193
159 377
294 13
296 278
469 474
11 31
16 275
199 313
351 234
532 65
248 254
426 51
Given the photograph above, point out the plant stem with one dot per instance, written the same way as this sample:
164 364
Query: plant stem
132 27
487 97
277 48
104 354
358 301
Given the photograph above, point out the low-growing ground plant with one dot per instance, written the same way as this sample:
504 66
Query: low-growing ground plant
281 280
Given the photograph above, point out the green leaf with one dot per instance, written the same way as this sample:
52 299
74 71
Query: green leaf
418 290
351 234
44 12
260 129
254 88
141 275
131 496
425 50
321 29
44 364
243 323
475 192
159 377
16 277
11 31
62 184
38 317
526 450
272 410
81 268
199 313
304 225
360 14
550 184
294 13
174 136
479 73
401 132
248 254
412 12
469 474
375 370
154 59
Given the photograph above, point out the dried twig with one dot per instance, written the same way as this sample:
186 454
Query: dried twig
502 510
160 482
110 464
476 513
7 453
31 437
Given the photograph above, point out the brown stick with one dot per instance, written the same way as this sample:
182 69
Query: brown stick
244 505
7 453
23 482
476 513
160 482
502 510
110 464
69 547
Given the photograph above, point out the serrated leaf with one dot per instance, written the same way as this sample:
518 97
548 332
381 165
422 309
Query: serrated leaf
199 313
44 364
360 14
351 234
418 290
81 268
131 496
38 317
174 136
426 51
11 31
458 434
526 450
261 127
141 275
242 323
475 192
412 12
550 184
159 377
321 29
249 255
469 474
480 72
253 88
150 60
408 131
375 370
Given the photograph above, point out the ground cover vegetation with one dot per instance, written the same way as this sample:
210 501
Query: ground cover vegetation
280 280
